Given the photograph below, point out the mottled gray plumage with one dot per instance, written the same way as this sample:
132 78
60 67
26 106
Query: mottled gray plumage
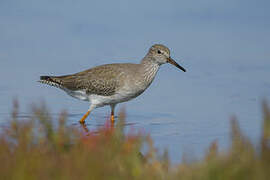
102 80
113 83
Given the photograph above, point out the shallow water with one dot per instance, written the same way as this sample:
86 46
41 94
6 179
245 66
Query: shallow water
225 49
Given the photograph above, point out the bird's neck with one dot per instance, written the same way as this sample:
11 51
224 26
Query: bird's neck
149 69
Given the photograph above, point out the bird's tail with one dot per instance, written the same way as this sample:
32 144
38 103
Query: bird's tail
51 80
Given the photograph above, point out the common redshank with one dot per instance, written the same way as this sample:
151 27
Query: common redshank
111 84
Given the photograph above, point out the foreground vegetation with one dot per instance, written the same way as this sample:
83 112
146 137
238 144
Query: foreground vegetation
35 149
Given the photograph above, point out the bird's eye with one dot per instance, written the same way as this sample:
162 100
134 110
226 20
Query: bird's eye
159 52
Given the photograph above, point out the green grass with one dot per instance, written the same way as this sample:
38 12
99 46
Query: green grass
35 149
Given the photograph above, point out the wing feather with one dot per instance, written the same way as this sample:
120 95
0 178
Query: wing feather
102 80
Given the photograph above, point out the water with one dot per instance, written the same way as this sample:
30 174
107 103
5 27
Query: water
224 47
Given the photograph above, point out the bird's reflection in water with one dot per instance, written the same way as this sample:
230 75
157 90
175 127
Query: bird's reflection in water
107 125
88 128
84 127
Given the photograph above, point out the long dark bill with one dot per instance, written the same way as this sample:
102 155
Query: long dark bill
171 61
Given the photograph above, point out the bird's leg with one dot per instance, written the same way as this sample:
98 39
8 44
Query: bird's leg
112 113
112 117
82 121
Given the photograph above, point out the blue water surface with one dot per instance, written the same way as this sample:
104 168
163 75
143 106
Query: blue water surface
224 45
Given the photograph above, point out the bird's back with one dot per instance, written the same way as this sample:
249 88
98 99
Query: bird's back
101 80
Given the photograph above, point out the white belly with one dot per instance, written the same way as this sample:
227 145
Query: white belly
99 100
119 97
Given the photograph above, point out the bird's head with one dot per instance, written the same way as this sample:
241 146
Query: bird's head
161 54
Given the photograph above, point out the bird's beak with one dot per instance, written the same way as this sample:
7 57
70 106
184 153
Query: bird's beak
171 61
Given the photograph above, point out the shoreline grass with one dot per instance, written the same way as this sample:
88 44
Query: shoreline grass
36 149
